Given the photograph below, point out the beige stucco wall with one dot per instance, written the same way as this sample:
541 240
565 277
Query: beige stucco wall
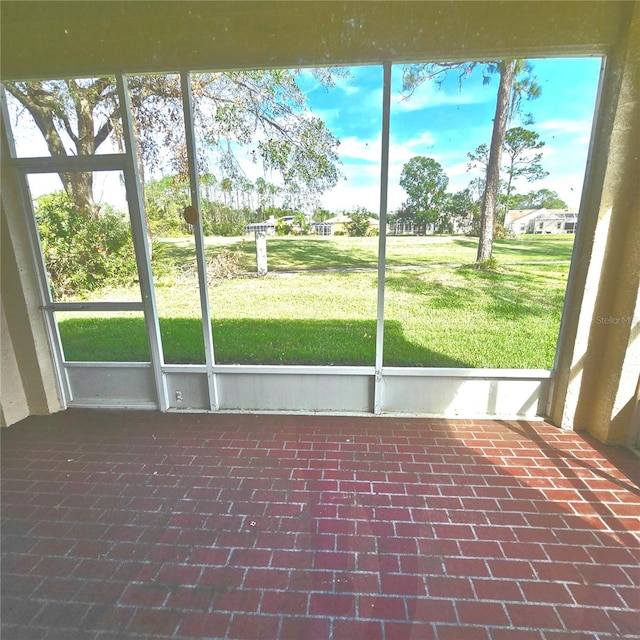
14 405
27 379
599 351
58 38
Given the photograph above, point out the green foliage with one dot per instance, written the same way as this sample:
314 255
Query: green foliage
301 226
358 225
543 198
518 148
500 232
161 260
461 210
491 264
283 228
165 199
426 185
222 220
83 254
320 215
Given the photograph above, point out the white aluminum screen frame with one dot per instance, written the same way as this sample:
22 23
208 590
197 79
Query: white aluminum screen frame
365 389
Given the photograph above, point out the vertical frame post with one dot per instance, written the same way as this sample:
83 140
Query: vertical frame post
44 292
382 238
141 243
187 104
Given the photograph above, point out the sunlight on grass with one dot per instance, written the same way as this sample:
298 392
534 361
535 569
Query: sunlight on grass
508 319
324 313
309 253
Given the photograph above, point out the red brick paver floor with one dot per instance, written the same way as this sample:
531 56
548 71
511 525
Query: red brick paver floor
145 525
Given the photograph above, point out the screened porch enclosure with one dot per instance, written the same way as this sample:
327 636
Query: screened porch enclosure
180 361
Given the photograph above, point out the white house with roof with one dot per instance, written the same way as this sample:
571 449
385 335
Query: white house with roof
519 221
268 226
337 224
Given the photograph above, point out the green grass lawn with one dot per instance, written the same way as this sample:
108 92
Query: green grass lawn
309 311
309 252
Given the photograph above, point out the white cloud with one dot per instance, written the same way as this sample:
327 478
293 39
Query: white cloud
425 139
563 126
347 84
429 95
328 116
344 197
568 186
422 145
457 169
360 149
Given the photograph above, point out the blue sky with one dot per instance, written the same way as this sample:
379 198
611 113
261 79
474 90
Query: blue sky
447 122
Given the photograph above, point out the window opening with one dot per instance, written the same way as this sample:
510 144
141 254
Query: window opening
158 118
90 264
63 118
103 336
279 152
504 313
296 152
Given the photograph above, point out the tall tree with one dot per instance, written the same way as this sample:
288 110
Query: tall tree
492 184
516 83
426 185
462 211
519 147
264 112
75 117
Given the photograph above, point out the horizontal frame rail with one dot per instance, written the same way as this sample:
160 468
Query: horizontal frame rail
93 306
106 162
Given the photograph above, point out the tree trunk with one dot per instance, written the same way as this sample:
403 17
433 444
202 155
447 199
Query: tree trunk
490 198
79 188
507 203
52 114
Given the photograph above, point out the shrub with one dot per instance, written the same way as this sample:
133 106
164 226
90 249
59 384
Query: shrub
283 228
83 253
358 225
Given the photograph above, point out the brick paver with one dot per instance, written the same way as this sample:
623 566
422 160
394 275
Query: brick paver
144 525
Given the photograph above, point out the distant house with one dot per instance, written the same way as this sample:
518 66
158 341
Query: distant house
519 221
267 227
337 225
408 227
